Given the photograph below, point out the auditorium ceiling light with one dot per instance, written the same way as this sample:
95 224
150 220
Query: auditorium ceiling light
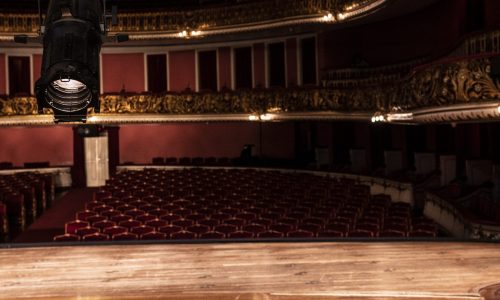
266 117
189 34
328 17
261 117
378 117
498 109
399 117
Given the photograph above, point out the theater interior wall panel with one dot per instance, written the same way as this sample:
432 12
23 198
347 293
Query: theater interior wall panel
123 71
37 66
37 144
291 61
3 75
182 70
259 65
140 143
224 68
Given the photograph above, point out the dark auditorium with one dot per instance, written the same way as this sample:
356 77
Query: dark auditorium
250 149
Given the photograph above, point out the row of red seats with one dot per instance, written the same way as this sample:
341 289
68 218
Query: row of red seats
324 207
23 198
195 161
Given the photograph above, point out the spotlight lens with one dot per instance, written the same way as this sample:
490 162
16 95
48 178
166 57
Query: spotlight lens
68 95
69 85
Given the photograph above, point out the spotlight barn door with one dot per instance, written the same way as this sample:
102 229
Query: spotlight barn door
96 160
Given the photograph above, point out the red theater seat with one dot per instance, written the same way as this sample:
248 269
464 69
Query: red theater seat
158 212
314 228
225 229
96 237
154 235
127 236
280 227
271 234
101 194
360 233
102 208
254 228
170 217
67 238
103 225
198 229
73 226
241 235
110 213
183 235
145 218
120 218
134 212
143 229
169 229
93 204
156 223
330 233
235 221
300 234
111 231
196 217
83 215
392 233
422 233
212 235
86 231
183 223
211 223
130 224
96 219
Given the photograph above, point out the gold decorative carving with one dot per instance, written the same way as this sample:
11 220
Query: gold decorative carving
18 106
208 17
456 84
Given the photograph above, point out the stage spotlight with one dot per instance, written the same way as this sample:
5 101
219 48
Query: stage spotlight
69 82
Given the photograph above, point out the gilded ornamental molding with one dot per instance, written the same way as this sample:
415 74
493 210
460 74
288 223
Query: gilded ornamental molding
457 91
255 15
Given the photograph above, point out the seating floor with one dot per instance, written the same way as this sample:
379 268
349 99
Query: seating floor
52 221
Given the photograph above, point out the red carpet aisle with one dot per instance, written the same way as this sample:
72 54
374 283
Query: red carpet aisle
51 223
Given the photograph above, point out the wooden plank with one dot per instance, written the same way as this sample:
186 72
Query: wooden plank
284 271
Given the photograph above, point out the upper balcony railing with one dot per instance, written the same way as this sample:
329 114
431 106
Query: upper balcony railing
365 76
215 18
463 82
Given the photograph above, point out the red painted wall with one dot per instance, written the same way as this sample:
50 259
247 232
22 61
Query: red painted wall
37 67
140 143
123 70
36 144
182 70
225 80
3 90
259 65
291 61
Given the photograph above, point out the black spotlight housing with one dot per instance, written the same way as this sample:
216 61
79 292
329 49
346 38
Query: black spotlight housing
69 82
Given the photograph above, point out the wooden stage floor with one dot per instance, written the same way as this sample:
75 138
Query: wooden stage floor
284 271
